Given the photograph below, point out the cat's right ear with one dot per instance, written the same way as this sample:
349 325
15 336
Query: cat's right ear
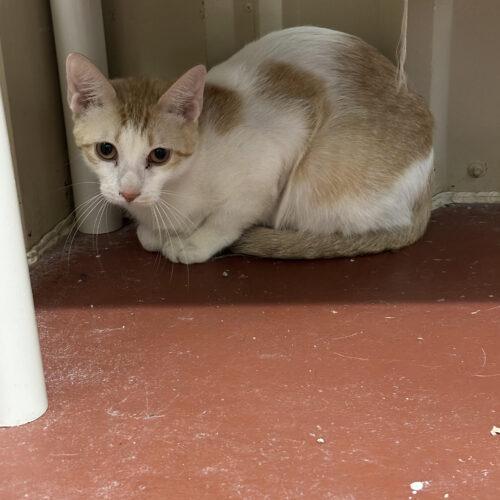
87 86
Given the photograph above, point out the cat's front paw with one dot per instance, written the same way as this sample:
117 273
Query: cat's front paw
149 240
185 252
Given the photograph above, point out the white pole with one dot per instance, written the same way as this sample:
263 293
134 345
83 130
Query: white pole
22 387
79 27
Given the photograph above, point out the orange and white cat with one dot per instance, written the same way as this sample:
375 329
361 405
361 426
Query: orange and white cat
301 145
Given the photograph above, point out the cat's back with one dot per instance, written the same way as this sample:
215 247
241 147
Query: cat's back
298 64
331 56
308 48
361 145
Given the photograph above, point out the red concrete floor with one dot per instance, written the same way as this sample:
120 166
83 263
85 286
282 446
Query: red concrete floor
246 378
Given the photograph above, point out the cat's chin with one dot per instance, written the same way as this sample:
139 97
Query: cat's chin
136 207
117 201
148 204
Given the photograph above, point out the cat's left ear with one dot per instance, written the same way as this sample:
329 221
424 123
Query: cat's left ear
185 97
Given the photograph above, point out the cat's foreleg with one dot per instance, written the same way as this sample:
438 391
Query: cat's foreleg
149 239
213 236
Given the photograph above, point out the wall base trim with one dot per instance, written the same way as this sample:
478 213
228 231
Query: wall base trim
449 197
54 236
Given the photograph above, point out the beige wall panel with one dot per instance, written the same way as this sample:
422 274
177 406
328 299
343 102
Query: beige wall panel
35 113
440 88
245 22
389 27
156 38
231 24
474 103
8 119
219 30
270 16
419 66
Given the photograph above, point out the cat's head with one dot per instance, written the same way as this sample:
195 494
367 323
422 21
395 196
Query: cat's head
135 134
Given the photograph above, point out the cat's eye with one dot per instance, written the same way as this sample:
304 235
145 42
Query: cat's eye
159 156
106 151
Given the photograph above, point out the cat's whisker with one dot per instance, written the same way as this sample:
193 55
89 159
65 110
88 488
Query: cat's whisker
158 259
95 208
97 224
183 195
81 221
183 216
178 237
186 220
67 186
165 228
86 202
162 208
94 229
181 223
158 254
177 218
83 207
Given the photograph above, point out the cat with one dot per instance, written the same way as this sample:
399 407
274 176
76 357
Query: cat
301 145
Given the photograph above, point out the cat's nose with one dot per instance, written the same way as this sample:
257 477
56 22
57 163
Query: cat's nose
129 195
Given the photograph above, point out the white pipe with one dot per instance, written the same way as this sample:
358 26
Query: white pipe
22 387
79 27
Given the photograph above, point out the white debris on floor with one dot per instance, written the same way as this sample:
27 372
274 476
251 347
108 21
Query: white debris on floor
417 486
495 431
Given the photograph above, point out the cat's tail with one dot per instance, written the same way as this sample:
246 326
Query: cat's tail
273 243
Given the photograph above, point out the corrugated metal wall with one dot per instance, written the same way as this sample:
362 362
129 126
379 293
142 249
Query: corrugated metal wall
34 103
452 53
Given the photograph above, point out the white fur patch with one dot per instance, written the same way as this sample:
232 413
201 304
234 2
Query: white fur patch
372 211
389 210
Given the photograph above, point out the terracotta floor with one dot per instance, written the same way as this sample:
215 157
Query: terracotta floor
243 378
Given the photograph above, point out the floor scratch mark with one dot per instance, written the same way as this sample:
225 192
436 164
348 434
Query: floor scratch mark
349 357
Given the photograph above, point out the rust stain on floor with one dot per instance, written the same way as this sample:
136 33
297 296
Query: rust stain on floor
374 377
